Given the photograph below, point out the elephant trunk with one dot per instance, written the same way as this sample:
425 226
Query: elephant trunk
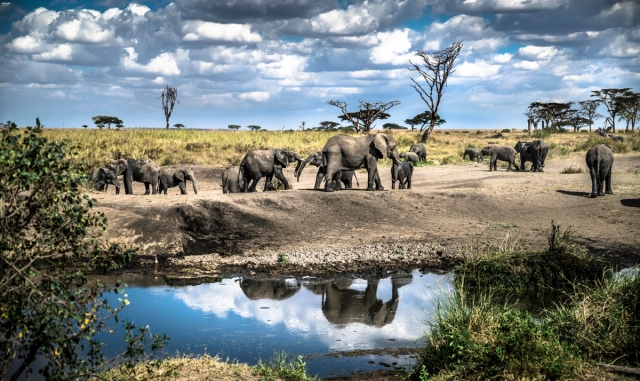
195 189
300 167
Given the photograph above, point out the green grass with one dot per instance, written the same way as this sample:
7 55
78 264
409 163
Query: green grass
285 368
282 258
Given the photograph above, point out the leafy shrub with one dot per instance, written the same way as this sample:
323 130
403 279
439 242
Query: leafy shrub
282 258
284 368
571 170
505 130
541 133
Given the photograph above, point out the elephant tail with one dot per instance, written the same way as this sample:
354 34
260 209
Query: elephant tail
598 159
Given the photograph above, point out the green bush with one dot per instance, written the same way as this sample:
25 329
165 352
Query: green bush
281 367
541 134
505 130
50 241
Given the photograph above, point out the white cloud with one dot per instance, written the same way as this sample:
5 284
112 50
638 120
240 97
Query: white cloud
479 68
256 96
285 66
365 74
164 64
56 94
502 58
538 52
579 78
117 91
85 28
208 31
62 52
24 44
621 47
527 65
393 49
137 9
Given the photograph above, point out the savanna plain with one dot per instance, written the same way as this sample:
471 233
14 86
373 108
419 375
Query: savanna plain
457 216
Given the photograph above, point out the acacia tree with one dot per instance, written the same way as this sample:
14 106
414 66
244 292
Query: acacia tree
630 109
613 100
368 112
423 119
328 125
101 120
588 110
234 127
254 127
435 69
169 99
50 241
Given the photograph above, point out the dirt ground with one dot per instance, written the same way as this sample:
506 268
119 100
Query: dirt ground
449 209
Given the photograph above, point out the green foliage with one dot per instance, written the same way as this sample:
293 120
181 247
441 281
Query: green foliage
557 151
559 267
428 163
254 127
282 258
404 141
630 144
234 127
179 125
542 133
49 242
285 368
505 130
101 120
571 170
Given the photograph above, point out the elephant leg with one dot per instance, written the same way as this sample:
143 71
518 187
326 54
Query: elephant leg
594 182
372 166
146 188
183 188
402 180
319 178
330 170
601 181
280 176
377 180
255 177
608 182
513 160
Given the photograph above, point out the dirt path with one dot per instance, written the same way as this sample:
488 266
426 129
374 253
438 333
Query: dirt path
450 207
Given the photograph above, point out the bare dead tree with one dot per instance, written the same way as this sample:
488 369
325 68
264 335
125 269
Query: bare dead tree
169 98
302 125
367 113
435 69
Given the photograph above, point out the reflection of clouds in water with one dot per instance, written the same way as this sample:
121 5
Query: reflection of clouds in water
302 312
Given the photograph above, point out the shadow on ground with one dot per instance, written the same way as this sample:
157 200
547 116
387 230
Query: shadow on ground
631 202
573 193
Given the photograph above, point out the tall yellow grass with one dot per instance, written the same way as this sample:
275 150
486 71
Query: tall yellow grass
222 148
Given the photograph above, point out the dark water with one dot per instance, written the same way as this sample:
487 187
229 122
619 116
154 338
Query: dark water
249 319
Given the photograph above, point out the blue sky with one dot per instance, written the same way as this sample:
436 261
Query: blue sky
275 63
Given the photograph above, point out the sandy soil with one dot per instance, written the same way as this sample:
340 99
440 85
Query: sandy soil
450 208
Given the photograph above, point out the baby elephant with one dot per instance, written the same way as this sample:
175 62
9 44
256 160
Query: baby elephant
474 154
404 173
504 153
410 156
232 180
102 178
171 177
600 160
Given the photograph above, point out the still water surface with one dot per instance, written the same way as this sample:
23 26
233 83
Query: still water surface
249 319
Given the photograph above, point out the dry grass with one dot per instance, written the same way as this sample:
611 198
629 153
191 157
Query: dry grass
222 148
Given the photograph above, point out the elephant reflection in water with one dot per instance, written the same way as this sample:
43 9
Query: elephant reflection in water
277 289
342 305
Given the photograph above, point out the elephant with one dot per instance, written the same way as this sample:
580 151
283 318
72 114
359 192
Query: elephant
276 289
348 153
232 180
343 305
600 161
403 174
170 177
535 152
410 156
474 154
504 153
340 178
143 171
102 177
420 149
268 163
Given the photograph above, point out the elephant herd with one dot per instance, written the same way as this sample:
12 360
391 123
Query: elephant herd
337 162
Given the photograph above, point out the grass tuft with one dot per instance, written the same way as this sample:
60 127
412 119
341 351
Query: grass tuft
571 170
285 368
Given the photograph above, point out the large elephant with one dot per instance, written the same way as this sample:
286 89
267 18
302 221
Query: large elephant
276 289
171 177
600 160
143 171
504 153
474 154
402 173
232 180
410 156
420 149
343 305
268 163
535 152
349 153
101 179
341 177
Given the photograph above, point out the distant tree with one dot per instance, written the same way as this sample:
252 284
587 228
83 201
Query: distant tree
588 110
169 98
108 120
100 126
234 127
368 113
178 125
253 127
435 69
38 125
394 126
302 124
613 100
8 125
630 109
574 118
119 126
423 119
84 126
328 125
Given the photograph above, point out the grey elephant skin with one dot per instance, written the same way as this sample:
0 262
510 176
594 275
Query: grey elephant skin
341 177
535 152
474 154
101 179
349 153
171 177
275 289
142 171
403 173
503 153
267 163
600 161
420 149
410 156
232 180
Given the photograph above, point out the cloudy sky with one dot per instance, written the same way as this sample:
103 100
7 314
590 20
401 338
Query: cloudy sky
275 63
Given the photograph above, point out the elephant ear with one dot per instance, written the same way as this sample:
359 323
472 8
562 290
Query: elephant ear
179 175
380 142
281 157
